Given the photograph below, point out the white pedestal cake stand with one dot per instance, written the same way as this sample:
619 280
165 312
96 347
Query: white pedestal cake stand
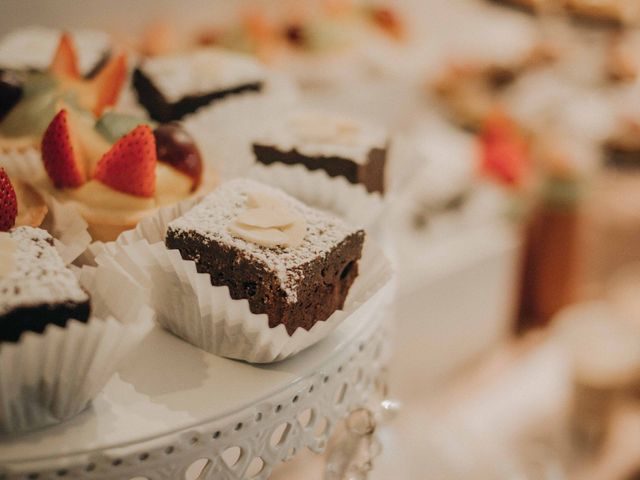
175 412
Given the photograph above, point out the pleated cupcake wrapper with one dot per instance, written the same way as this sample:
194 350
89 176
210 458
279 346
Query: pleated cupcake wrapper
206 316
337 195
63 221
225 129
50 377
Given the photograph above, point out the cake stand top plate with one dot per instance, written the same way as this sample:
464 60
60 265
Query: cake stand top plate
170 391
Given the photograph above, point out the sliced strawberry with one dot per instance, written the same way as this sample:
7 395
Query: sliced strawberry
130 165
61 153
8 202
505 155
65 60
108 84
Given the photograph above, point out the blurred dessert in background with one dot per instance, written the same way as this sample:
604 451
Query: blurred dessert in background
318 43
623 59
613 228
534 6
622 148
452 186
469 91
311 28
173 86
41 95
600 12
617 12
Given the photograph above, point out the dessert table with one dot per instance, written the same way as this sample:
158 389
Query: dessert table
174 411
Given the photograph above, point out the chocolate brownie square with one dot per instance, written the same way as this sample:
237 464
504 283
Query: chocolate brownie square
36 288
320 141
172 86
298 282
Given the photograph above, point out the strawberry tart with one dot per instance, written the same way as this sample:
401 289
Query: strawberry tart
119 169
31 99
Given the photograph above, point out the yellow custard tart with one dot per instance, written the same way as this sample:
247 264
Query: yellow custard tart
114 178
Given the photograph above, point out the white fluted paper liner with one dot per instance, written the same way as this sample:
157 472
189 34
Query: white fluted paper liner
50 377
206 316
225 129
63 221
349 201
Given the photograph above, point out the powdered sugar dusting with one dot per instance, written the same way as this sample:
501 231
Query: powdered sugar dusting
200 72
40 276
213 215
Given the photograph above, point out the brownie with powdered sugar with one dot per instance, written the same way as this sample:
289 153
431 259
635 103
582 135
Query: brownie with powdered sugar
290 261
172 86
36 288
339 145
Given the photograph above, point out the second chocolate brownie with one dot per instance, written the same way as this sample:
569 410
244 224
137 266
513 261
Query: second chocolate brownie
173 86
340 146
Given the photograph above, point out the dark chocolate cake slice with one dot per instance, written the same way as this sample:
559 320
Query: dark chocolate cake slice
36 288
290 261
338 145
173 86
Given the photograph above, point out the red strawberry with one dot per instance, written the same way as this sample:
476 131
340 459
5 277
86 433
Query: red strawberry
65 60
108 83
130 165
504 151
61 153
8 202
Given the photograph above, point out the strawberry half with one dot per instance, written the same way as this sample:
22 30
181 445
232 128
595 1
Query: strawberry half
65 60
130 165
61 153
8 202
505 155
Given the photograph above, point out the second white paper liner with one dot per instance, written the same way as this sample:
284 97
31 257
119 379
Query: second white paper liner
316 188
50 377
206 316
63 222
